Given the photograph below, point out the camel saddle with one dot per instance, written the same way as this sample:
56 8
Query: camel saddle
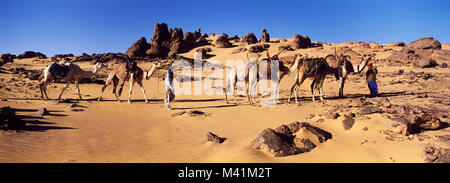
59 70
314 65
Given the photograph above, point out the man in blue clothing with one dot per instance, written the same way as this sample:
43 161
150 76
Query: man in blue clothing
371 78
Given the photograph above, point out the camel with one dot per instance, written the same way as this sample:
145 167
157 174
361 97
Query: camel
348 68
134 74
232 76
74 73
253 75
318 77
283 70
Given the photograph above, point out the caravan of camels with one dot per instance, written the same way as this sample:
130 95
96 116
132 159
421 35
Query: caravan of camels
186 81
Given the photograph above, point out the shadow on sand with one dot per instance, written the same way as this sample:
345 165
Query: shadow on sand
34 123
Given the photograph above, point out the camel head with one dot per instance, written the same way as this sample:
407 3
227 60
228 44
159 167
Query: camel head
152 70
98 66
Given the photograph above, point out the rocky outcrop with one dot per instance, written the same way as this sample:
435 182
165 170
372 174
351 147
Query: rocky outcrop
167 43
265 37
249 39
31 54
222 41
290 139
138 48
7 58
424 43
300 42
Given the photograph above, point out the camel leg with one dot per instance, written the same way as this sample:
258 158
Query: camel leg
65 87
131 88
44 88
292 89
321 88
341 86
314 94
40 87
78 89
253 91
108 82
301 79
143 91
225 92
235 93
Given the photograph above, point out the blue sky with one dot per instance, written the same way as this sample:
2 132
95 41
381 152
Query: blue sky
78 26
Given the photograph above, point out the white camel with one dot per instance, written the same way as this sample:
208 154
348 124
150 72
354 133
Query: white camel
74 74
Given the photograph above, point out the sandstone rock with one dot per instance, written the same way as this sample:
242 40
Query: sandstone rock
426 63
322 135
250 38
265 37
222 42
424 43
283 142
214 138
275 143
301 42
138 48
426 121
435 154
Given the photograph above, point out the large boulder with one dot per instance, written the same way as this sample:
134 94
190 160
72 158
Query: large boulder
265 37
290 139
301 42
138 48
412 119
424 43
426 63
250 38
222 41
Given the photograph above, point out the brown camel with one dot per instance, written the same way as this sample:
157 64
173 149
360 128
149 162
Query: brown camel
134 74
318 76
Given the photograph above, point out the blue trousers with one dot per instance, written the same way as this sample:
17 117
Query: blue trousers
373 88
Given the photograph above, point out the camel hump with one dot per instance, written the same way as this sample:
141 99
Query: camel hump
59 70
314 65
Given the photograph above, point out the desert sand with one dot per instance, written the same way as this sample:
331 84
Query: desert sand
111 131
